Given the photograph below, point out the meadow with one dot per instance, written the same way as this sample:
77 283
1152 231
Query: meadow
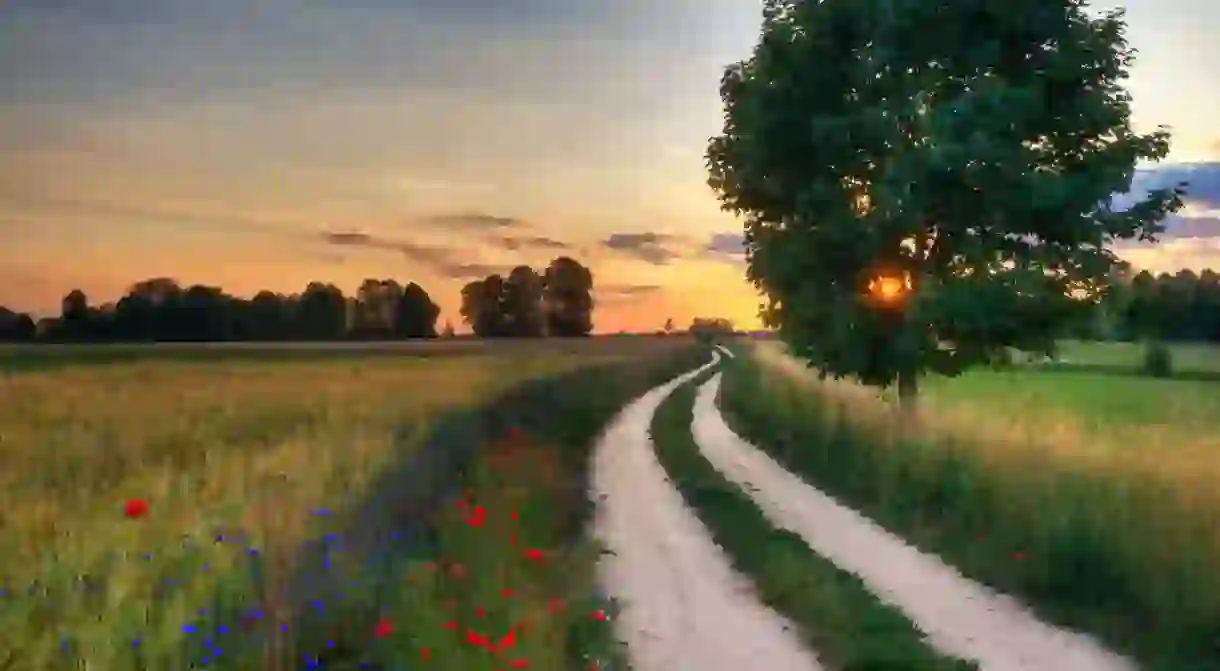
298 501
1080 486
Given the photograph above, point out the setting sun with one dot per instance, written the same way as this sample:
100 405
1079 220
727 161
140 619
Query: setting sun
889 289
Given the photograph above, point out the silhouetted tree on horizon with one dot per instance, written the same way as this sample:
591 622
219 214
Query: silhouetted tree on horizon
415 314
521 304
568 298
527 304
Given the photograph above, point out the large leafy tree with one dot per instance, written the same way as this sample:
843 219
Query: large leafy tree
926 183
568 298
521 303
481 306
415 314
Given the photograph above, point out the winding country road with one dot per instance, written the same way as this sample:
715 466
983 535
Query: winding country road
684 607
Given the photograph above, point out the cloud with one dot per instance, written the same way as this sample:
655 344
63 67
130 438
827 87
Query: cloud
1172 255
171 213
442 260
627 290
727 243
348 238
1202 182
654 248
471 271
1177 226
534 241
476 220
618 294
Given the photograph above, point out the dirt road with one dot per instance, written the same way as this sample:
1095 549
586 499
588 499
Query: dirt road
683 606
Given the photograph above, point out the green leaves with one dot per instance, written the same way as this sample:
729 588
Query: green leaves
973 144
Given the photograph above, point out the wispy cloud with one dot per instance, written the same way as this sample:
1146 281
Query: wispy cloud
627 290
475 220
197 216
1201 180
657 249
514 243
726 247
443 260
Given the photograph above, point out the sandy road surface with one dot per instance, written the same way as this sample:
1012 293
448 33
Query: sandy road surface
683 606
960 617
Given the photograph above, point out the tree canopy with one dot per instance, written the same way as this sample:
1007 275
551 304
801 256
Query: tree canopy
925 184
528 304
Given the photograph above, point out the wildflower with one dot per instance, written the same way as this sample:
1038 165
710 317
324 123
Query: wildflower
384 628
136 508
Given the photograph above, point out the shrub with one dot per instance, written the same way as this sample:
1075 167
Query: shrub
1158 361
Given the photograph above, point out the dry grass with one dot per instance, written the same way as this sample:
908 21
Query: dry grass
1023 419
1108 484
210 446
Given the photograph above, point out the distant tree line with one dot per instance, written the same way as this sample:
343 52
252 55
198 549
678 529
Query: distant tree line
1183 307
557 302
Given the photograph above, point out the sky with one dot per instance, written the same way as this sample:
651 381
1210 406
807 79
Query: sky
256 144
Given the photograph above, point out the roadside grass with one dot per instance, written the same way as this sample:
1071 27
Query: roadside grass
1099 524
242 465
849 627
16 358
534 462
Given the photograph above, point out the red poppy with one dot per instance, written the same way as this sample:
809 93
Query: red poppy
477 517
136 508
476 639
509 640
384 628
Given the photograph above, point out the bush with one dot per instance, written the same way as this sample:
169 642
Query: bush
1158 361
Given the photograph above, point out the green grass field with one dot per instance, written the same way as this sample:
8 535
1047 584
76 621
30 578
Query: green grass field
1083 487
261 466
1098 394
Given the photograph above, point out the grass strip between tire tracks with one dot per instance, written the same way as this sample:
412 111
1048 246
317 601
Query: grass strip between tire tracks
849 627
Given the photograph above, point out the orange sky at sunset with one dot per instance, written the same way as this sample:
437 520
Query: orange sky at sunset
225 142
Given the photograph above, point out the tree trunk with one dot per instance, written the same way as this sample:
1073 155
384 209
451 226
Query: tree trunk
908 396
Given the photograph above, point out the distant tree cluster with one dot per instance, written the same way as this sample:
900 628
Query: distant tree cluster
528 304
1180 307
711 328
557 302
